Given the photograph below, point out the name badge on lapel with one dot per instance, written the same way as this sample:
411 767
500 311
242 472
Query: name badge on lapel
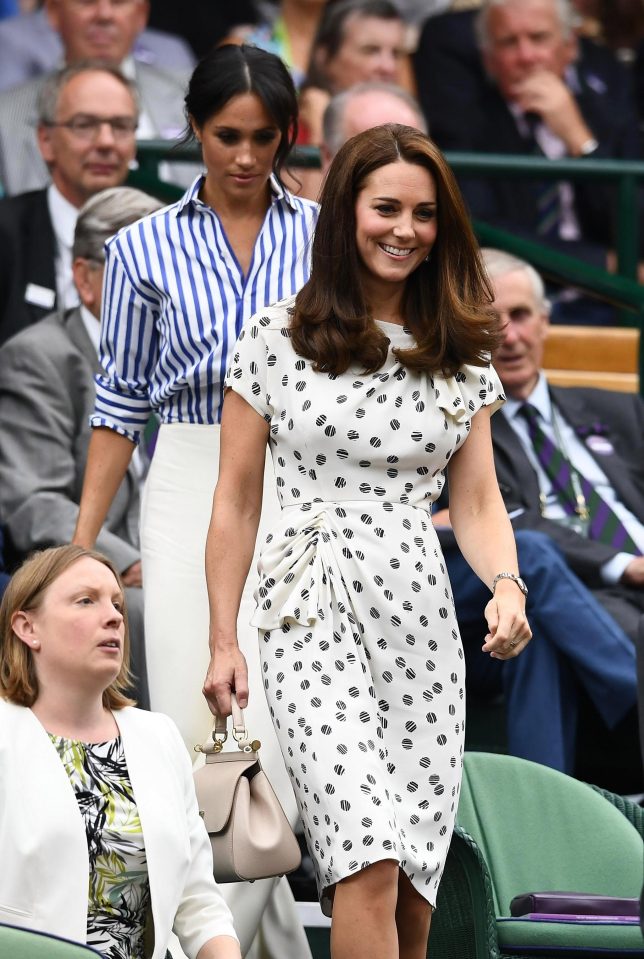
40 296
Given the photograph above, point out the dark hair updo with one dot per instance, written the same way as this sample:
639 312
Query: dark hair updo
232 70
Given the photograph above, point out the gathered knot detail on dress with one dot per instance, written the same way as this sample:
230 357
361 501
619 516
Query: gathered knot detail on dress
295 570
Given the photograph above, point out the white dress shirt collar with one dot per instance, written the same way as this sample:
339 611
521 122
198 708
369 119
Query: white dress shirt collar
539 398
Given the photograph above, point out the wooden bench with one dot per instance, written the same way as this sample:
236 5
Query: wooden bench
600 356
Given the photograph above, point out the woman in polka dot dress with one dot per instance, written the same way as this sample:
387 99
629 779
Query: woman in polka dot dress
366 385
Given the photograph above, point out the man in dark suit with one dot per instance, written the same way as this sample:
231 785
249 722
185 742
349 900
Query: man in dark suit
46 397
601 431
539 100
586 596
86 135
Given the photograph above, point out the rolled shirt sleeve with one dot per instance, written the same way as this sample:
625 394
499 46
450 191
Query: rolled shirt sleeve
128 349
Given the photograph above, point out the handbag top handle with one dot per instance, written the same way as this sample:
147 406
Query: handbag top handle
219 735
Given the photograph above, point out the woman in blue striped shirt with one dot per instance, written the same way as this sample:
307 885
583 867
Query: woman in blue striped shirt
178 286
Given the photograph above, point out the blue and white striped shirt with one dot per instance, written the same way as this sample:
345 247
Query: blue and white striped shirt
175 299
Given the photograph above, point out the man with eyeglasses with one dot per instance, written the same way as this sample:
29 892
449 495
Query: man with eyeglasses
86 134
89 29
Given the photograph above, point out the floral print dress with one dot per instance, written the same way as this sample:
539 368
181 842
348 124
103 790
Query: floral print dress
119 891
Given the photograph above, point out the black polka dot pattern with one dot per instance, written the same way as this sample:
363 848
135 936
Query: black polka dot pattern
361 657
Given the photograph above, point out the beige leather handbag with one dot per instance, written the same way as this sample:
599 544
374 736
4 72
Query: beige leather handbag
250 835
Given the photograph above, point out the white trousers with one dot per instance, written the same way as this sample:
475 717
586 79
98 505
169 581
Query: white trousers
176 509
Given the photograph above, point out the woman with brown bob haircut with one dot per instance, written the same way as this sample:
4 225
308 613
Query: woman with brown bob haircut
369 386
95 847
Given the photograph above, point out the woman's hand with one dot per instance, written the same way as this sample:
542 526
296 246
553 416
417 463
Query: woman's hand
509 632
227 673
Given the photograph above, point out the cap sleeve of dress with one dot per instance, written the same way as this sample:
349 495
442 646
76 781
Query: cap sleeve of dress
248 371
471 387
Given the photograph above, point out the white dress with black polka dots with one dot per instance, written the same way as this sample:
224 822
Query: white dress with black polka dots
361 655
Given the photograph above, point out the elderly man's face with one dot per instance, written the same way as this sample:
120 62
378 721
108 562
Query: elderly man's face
372 49
88 155
524 37
98 29
525 324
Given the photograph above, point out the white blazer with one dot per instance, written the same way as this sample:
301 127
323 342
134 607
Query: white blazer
44 864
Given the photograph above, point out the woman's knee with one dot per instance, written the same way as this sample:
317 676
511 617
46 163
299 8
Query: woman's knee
378 881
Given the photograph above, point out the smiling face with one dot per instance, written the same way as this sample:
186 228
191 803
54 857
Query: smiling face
238 145
524 37
371 49
77 633
81 167
525 324
396 226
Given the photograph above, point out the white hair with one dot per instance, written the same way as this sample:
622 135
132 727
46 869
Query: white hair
499 263
565 15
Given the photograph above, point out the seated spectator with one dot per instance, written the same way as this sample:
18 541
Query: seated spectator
361 107
601 433
586 593
30 46
106 31
100 835
87 119
46 397
357 40
537 100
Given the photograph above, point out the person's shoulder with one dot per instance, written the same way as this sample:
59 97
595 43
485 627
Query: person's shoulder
37 336
15 101
274 319
145 722
14 208
160 47
598 399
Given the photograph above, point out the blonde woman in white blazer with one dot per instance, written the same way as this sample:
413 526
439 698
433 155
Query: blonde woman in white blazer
99 825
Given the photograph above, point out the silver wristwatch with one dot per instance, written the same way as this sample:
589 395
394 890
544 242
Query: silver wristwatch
517 579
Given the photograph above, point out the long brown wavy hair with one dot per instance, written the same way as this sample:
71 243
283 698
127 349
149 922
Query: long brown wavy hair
446 301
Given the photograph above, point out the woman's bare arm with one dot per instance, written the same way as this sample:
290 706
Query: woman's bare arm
485 537
108 458
230 544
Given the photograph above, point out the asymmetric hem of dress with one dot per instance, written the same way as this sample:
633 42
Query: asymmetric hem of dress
361 655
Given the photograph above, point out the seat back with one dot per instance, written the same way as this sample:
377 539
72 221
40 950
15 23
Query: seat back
540 830
16 943
603 356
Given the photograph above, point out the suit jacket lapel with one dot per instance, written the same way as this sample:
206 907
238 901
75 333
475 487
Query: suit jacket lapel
40 251
80 338
576 412
510 455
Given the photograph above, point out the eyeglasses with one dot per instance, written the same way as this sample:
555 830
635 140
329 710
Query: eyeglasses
87 128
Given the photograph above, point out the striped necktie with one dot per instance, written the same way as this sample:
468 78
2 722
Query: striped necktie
604 524
547 195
